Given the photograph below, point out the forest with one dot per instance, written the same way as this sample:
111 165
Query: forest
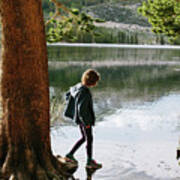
123 13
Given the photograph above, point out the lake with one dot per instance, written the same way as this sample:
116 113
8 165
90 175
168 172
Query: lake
136 103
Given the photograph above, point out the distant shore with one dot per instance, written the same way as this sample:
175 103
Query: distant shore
123 26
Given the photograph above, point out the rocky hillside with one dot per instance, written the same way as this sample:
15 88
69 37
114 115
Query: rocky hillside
120 12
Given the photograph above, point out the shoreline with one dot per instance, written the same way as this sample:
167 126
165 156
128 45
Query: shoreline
109 45
123 26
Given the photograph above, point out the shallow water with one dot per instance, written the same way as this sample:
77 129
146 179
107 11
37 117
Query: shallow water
137 107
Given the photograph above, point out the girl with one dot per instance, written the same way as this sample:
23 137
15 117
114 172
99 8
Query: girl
81 111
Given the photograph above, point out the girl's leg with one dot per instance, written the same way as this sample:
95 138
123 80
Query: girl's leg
90 162
89 138
79 142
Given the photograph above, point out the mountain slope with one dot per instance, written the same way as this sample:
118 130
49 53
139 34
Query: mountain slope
118 12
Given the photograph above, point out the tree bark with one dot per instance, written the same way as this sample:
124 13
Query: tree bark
25 150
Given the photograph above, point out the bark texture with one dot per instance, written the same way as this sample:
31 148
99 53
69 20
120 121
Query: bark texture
25 150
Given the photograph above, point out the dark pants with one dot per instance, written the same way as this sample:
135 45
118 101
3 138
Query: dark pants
86 133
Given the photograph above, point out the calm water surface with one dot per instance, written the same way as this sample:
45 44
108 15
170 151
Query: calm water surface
137 106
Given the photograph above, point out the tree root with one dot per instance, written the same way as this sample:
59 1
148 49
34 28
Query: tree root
25 161
30 167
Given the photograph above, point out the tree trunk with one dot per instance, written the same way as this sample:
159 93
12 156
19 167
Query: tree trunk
25 150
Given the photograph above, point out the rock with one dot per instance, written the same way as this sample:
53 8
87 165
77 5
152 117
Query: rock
69 167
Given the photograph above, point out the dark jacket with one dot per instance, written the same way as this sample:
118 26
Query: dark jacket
81 105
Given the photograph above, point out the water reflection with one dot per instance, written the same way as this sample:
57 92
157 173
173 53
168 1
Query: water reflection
90 173
77 53
119 85
117 78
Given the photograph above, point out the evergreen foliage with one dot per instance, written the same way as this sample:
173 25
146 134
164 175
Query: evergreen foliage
69 24
69 21
164 15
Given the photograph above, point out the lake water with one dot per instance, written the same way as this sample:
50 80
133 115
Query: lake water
137 108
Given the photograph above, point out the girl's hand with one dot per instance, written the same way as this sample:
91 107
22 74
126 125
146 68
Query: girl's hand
88 126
